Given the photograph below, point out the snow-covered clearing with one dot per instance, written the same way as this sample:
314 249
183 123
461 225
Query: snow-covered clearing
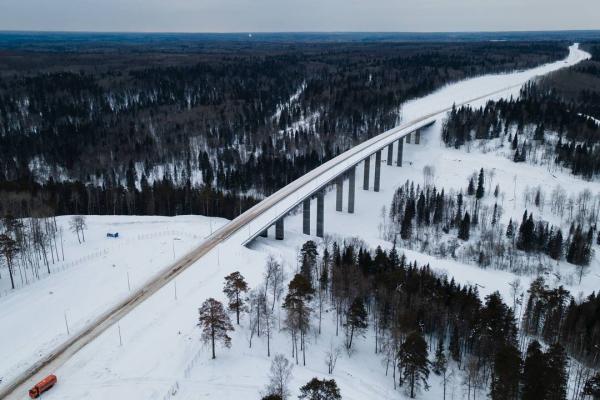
155 350
95 275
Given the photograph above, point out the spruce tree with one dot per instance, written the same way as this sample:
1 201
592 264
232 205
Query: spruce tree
534 382
555 245
592 387
506 373
412 359
464 228
356 320
556 374
480 190
406 226
454 346
440 364
471 187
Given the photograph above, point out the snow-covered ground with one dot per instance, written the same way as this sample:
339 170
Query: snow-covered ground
155 350
95 275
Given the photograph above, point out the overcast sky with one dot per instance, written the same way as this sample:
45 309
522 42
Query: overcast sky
298 15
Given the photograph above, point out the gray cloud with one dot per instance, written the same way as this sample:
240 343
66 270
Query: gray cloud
298 15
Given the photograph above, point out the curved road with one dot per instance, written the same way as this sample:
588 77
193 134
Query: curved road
242 229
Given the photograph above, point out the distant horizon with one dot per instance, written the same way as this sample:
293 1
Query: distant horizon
297 32
262 16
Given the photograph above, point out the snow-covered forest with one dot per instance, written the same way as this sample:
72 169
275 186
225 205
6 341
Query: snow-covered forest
471 274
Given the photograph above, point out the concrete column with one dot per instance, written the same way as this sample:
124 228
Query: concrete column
377 170
306 216
390 157
351 186
339 193
367 173
279 229
320 213
265 233
400 150
417 136
408 137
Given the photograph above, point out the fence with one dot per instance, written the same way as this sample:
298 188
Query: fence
117 244
172 391
187 373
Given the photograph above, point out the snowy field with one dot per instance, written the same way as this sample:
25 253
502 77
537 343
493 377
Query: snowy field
155 351
95 275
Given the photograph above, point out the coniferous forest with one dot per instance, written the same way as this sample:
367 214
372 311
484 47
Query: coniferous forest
554 122
170 132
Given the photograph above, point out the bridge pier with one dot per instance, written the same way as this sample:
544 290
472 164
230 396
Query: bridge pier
306 216
408 137
390 155
351 187
400 150
339 195
320 213
417 136
367 172
377 170
265 233
279 229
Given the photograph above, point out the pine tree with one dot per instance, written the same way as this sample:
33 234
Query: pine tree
356 320
235 287
308 259
412 359
215 323
317 389
296 304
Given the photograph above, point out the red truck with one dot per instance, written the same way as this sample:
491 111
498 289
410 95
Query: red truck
42 386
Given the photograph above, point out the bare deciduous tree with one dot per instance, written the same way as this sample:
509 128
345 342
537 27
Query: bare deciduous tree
77 224
279 377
